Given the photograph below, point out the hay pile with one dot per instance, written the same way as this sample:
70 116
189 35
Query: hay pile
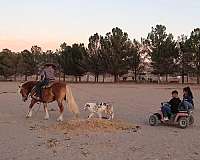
94 125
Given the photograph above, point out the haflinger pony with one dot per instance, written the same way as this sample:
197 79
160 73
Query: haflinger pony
58 91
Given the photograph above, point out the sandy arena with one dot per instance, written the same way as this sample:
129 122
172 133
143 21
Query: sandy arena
37 139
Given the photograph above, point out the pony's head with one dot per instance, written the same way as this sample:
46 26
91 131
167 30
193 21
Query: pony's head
24 92
25 89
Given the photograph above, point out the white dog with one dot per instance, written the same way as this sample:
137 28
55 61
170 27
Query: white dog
99 109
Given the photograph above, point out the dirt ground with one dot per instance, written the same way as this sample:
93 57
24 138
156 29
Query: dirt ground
30 139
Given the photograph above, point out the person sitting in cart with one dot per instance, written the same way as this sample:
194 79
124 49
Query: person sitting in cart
172 106
188 98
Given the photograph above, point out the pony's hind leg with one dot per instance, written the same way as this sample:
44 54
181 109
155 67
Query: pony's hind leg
46 112
61 107
29 114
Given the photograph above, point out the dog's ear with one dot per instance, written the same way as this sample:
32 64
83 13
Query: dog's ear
87 105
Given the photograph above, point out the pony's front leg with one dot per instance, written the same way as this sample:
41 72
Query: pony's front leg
30 111
46 112
61 107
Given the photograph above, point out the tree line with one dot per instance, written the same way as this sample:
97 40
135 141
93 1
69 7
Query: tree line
114 54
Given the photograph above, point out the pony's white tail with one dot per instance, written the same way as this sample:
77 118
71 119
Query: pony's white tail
71 104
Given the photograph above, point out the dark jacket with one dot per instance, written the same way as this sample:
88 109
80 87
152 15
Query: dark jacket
174 102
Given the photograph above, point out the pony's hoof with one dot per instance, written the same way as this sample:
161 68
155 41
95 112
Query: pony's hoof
59 120
46 118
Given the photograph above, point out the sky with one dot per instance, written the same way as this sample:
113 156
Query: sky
48 23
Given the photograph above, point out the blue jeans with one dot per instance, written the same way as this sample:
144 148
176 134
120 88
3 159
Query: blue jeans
185 105
38 87
166 109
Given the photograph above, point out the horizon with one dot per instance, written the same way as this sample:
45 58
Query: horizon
49 23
